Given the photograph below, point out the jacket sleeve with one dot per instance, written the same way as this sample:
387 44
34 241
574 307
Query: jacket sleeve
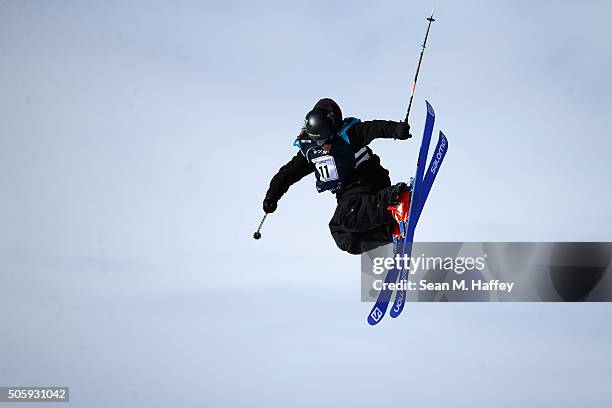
362 133
292 172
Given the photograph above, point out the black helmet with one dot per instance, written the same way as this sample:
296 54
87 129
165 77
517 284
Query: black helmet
324 120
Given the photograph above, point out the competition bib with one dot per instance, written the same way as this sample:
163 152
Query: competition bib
326 167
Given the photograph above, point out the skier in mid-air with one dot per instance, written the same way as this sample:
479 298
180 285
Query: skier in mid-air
337 151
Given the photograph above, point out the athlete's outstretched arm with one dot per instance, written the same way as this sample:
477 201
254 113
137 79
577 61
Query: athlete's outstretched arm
292 172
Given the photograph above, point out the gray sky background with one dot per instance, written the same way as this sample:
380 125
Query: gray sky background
137 140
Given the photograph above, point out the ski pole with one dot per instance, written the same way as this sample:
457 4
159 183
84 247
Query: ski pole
257 234
416 75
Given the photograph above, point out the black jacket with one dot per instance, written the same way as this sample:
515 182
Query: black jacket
370 176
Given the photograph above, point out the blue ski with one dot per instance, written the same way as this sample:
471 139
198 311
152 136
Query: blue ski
430 177
405 244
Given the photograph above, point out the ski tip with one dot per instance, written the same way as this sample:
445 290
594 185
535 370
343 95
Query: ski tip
442 136
430 109
376 315
396 310
433 8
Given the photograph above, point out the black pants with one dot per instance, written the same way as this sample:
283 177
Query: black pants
362 222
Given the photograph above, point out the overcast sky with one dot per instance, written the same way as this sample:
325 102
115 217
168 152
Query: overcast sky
137 140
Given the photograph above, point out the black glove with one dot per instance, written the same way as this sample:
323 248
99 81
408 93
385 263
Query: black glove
402 131
269 206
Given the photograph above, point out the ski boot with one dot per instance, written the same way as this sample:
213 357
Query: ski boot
400 210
